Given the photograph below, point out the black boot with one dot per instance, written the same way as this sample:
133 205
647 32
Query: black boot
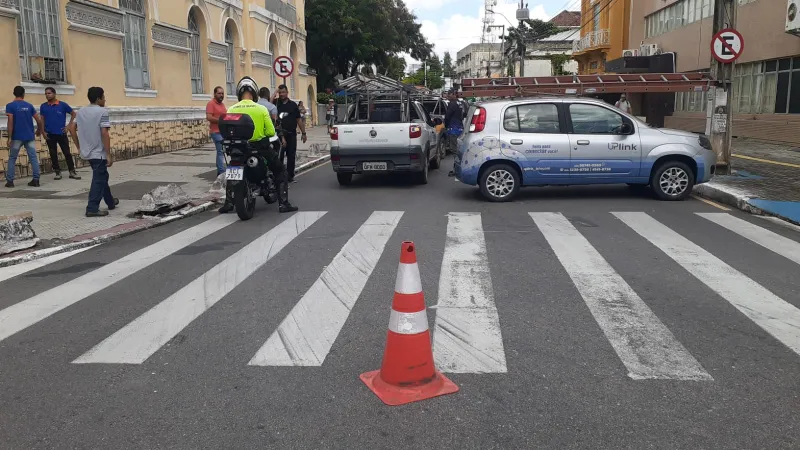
228 206
283 198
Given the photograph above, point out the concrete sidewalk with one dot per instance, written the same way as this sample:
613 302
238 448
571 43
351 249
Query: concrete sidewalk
58 207
765 180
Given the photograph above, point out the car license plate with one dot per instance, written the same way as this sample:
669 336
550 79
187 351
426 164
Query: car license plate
234 173
374 166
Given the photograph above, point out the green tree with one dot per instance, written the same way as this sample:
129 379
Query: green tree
447 65
394 68
518 38
344 34
433 75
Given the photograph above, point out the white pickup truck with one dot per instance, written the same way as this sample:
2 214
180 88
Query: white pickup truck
394 136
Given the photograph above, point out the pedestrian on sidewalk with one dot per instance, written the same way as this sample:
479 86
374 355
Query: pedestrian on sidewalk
303 112
21 115
54 115
330 114
623 104
90 135
214 109
289 116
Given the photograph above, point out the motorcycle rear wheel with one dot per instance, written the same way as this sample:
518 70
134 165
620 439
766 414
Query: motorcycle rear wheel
244 200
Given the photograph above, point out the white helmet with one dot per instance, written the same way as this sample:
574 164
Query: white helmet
247 84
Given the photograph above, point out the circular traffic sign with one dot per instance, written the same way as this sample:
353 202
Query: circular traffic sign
283 66
727 45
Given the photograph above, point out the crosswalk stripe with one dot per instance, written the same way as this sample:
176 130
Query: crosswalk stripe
138 340
770 240
776 316
646 347
21 315
19 269
307 334
467 337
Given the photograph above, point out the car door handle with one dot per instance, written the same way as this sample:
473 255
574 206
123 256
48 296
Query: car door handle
583 142
516 141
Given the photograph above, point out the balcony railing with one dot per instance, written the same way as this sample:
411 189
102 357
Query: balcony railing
591 40
283 10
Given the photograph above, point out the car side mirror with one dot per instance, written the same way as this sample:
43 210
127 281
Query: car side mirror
625 128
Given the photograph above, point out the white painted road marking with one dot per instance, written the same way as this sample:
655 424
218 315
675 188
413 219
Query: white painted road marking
646 347
773 314
19 269
467 337
761 236
307 334
21 315
138 340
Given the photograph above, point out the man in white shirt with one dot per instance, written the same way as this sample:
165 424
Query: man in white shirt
623 104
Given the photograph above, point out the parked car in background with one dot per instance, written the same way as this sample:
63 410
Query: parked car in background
543 141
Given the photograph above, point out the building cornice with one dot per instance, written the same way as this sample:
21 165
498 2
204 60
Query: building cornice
266 16
93 18
222 4
9 8
170 37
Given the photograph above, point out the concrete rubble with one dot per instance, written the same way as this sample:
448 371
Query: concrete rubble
163 199
16 232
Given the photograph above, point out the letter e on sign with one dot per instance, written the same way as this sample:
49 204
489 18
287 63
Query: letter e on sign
727 45
283 66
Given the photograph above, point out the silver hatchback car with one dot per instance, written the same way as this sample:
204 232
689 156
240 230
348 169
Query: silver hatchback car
542 141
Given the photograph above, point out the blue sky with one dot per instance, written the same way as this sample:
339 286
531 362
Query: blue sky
453 24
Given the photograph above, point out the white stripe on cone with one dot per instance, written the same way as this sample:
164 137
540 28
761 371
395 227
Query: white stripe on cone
408 281
408 323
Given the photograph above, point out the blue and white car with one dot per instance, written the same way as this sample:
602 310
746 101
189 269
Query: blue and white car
543 141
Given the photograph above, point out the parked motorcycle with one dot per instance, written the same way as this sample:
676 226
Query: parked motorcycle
247 175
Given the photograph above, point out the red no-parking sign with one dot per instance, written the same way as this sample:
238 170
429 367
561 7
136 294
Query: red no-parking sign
283 66
727 45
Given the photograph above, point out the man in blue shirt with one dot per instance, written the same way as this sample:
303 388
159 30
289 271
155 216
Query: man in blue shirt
54 115
21 115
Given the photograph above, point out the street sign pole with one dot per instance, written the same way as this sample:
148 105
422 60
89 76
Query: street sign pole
283 66
720 98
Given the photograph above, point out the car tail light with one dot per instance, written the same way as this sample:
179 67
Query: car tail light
334 134
414 156
414 131
334 158
478 122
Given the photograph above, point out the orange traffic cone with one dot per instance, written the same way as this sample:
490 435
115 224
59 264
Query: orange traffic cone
408 373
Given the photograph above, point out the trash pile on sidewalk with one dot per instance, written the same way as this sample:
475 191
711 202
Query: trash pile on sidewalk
765 180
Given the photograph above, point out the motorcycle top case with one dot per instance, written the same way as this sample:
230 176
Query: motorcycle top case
236 126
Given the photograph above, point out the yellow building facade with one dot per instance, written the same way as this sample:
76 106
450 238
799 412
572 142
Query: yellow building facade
157 60
605 26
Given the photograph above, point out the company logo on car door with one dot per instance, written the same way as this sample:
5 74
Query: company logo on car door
373 133
619 146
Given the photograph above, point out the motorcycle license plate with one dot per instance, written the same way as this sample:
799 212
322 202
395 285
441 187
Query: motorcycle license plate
374 166
234 173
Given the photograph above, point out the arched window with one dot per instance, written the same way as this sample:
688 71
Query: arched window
196 55
229 81
273 85
134 44
39 36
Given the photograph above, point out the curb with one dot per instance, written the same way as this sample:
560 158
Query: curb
739 200
127 229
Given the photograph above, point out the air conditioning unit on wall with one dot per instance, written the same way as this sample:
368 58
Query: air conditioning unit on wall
630 52
649 50
792 17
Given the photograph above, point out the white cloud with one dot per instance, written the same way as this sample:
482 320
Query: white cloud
457 31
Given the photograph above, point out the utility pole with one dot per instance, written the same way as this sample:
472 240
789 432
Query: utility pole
523 14
720 98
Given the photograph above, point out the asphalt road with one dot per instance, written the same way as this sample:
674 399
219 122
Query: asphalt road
655 327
